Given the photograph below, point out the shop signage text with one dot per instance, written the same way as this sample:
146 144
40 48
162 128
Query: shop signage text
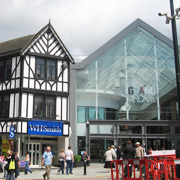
49 128
142 94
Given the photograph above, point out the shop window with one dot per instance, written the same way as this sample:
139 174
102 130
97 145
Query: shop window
130 129
45 69
158 129
4 106
44 107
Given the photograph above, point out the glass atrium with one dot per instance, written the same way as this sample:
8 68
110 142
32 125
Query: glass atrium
139 70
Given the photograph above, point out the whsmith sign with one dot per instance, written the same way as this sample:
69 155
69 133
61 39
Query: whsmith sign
42 127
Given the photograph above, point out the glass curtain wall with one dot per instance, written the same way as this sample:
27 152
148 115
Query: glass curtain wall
138 73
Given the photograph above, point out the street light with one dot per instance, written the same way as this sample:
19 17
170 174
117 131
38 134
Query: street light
173 18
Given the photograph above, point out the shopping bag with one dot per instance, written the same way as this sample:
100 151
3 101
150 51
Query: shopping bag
12 164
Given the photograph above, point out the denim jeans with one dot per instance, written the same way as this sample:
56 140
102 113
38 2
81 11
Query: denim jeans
10 175
69 164
61 167
27 167
1 164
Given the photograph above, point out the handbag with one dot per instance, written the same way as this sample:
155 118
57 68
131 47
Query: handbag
12 164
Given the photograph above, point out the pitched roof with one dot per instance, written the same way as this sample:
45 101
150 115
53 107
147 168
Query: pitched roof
24 44
118 37
15 45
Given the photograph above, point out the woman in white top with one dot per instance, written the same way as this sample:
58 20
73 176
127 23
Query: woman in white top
109 157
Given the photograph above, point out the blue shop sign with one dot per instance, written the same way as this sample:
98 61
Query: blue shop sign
42 127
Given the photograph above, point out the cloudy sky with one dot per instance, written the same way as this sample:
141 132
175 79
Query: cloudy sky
83 25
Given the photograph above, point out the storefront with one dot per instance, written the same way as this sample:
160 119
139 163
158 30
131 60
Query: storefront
34 94
133 76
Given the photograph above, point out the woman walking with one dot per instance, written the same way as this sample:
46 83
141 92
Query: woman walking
11 168
109 157
27 160
61 160
2 161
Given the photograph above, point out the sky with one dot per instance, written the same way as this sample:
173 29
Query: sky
82 25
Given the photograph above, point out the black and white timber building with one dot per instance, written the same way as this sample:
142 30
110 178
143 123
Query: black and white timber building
34 94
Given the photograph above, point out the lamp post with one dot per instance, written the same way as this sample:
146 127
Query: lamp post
172 18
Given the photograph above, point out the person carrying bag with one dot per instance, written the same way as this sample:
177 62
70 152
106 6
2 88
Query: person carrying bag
10 165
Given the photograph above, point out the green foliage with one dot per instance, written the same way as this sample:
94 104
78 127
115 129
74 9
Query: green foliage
77 158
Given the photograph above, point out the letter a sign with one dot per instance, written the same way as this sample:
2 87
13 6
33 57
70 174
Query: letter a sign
11 132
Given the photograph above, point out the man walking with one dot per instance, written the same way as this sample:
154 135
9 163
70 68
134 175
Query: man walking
47 161
129 153
69 160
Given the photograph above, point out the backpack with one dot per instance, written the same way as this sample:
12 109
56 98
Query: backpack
11 165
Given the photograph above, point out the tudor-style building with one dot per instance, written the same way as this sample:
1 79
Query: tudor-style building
34 94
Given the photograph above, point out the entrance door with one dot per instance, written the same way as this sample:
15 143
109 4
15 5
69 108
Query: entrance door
35 154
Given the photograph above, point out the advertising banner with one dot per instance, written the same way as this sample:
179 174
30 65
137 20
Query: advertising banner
6 145
42 127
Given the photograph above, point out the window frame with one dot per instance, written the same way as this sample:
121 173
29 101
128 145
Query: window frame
44 75
44 106
3 106
6 70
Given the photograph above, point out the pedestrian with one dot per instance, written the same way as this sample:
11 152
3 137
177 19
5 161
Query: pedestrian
139 151
119 152
47 161
108 158
27 163
5 171
113 152
61 161
129 153
150 151
86 158
17 165
69 160
2 161
10 165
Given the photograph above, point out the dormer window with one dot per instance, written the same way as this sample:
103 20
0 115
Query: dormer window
45 69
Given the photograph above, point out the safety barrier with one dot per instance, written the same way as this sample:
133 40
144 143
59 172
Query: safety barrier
167 169
128 169
145 169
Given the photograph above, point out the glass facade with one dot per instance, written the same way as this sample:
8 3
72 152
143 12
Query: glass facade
130 79
89 113
139 70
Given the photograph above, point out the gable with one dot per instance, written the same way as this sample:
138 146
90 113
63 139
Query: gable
47 42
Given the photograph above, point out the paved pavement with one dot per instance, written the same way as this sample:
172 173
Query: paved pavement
96 172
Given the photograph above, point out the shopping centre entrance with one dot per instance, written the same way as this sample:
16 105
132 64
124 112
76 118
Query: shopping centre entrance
156 136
